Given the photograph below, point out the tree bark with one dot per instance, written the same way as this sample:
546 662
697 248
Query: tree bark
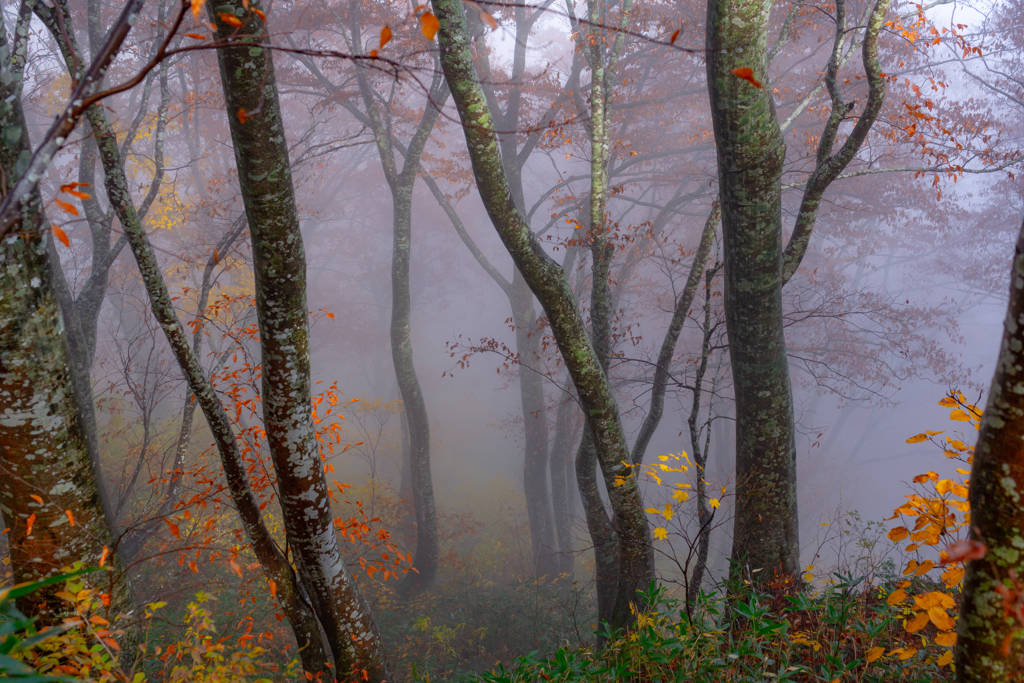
275 564
751 152
264 173
50 493
989 647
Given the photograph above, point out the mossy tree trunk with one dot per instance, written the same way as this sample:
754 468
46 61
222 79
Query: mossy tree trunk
279 262
48 480
990 640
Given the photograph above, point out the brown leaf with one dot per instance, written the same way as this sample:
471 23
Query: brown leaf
672 40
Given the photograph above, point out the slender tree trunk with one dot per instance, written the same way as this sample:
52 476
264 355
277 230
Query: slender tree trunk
275 564
261 156
989 646
551 287
561 462
751 152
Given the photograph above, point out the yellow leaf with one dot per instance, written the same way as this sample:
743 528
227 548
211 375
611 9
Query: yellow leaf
911 566
429 25
898 534
924 568
908 653
897 596
953 576
948 402
945 639
874 653
917 623
945 659
661 533
930 433
943 621
918 438
959 416
714 503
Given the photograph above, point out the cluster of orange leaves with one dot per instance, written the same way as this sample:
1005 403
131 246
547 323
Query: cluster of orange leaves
942 515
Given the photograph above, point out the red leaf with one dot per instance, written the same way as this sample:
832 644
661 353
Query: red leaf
230 19
747 74
672 40
197 36
67 207
173 528
59 234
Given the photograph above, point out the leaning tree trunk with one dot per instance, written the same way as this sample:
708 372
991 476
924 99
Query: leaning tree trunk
751 152
990 646
50 492
279 262
551 287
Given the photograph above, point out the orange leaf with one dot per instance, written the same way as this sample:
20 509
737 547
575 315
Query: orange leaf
948 402
273 588
59 234
484 15
230 19
36 498
672 40
193 567
429 25
31 521
260 14
71 517
173 528
103 555
216 256
197 36
235 568
385 36
373 54
747 74
197 5
67 207
243 116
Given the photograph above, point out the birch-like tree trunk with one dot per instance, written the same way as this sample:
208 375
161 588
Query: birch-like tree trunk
279 262
990 646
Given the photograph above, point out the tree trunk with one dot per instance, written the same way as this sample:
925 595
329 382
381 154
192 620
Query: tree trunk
551 287
751 152
50 492
989 646
275 564
264 173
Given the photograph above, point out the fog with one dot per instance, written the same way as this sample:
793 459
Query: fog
897 300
